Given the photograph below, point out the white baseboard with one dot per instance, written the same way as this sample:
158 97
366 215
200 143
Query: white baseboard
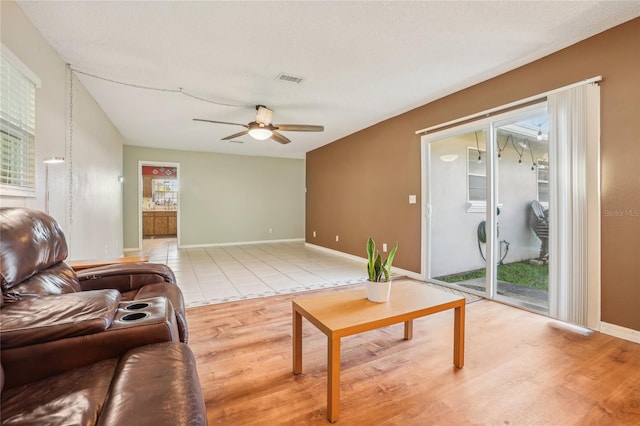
621 332
394 270
131 249
240 243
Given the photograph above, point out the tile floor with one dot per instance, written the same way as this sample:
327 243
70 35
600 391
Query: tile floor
227 273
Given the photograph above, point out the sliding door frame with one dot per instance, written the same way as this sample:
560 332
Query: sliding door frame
489 125
484 120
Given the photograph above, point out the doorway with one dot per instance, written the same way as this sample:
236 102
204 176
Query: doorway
487 195
158 200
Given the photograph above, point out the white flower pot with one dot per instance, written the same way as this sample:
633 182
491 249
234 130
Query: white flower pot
378 292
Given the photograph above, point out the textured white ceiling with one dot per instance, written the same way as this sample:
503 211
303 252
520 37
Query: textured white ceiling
362 62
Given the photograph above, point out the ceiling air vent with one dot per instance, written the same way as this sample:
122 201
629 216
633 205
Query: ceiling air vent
290 78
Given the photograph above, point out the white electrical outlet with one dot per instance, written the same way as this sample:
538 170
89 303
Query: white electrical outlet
337 238
412 199
384 247
314 234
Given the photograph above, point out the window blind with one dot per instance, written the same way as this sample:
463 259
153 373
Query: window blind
17 130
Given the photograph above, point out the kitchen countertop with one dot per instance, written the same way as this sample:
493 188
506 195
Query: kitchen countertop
158 210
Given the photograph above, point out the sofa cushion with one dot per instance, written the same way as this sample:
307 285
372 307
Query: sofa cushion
75 397
30 241
42 319
156 385
58 279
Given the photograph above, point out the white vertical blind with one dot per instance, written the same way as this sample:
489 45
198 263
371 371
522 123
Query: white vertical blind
17 130
571 129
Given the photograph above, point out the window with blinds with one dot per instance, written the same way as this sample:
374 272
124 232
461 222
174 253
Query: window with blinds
476 176
17 127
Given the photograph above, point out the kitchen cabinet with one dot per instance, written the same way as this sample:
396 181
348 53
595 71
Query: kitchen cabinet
159 223
148 228
172 226
146 187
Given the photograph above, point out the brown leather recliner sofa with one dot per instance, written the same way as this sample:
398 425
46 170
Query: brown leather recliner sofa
103 346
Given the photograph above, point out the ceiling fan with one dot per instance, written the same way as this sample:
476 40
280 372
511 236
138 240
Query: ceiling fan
262 128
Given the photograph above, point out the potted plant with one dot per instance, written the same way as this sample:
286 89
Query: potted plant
379 271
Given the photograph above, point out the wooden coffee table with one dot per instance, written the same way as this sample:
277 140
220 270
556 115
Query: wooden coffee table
346 313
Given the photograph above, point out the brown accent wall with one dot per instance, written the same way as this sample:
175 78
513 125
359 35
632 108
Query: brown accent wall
359 185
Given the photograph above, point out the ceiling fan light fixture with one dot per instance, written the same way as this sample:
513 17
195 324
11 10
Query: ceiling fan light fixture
260 133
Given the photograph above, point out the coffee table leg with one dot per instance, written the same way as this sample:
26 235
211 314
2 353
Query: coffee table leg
297 342
408 330
458 336
333 379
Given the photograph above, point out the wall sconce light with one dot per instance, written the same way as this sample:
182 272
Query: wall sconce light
47 161
53 160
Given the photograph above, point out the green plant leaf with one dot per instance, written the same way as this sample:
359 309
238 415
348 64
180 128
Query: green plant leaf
377 267
386 266
392 254
371 249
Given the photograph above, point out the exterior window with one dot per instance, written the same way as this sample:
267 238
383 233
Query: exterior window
17 127
543 182
476 179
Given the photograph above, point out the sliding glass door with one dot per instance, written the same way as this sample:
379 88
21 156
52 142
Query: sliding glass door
487 208
458 197
522 177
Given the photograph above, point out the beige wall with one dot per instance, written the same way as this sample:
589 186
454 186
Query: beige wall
95 196
224 198
358 186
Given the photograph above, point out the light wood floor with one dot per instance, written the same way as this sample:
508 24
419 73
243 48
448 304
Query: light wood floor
520 369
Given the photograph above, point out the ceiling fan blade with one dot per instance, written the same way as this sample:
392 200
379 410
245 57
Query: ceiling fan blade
279 138
299 127
237 135
220 122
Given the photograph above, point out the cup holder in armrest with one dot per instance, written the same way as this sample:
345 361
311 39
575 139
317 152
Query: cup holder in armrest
136 306
142 312
134 316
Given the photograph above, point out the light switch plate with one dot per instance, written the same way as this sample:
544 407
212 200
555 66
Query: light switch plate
412 199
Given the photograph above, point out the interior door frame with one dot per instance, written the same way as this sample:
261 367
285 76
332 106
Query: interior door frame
141 197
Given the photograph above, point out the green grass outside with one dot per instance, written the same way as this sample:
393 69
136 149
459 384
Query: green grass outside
519 273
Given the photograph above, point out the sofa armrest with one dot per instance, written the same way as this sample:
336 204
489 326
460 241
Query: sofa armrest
156 384
80 264
26 364
125 277
34 320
